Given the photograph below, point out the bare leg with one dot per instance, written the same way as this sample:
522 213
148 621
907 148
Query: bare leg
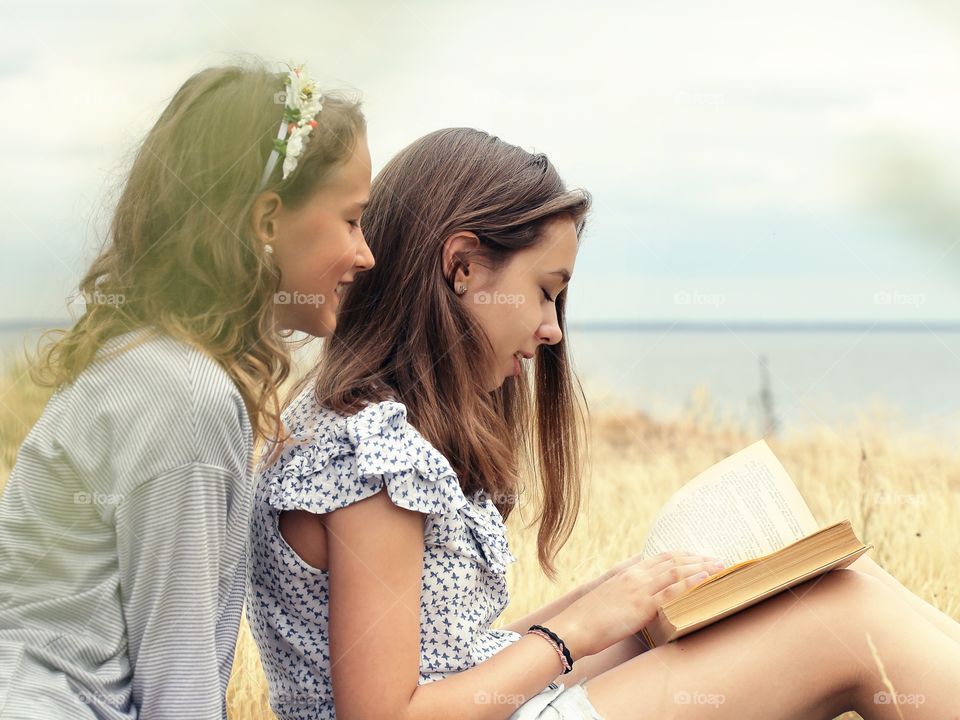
802 654
594 665
630 647
937 617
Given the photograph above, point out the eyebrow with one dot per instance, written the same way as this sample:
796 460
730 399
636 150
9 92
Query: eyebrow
562 272
361 205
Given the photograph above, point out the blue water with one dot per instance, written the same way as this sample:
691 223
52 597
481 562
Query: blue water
909 376
13 335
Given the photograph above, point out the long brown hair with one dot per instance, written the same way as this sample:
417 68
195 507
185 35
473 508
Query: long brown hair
181 256
403 332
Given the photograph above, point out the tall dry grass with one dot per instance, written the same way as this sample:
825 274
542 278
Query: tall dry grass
901 492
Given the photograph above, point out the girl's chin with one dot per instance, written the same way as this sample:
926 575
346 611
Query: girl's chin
327 328
499 382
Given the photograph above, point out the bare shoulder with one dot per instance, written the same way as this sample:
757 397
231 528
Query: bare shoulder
373 543
369 514
375 551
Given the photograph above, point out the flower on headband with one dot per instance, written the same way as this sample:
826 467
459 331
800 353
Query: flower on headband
302 103
294 149
294 83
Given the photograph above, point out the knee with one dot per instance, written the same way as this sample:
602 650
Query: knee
849 602
860 585
843 591
851 605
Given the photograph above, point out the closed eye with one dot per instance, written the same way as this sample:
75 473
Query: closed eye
547 295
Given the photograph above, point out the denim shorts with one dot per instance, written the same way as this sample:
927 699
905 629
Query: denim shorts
557 702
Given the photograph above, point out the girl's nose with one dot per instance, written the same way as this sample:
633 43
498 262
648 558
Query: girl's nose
365 259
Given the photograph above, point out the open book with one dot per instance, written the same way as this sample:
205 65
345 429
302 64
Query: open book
747 511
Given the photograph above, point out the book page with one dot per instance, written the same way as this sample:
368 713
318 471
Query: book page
744 506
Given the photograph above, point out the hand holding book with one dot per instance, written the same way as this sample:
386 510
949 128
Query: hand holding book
747 511
744 510
642 557
627 598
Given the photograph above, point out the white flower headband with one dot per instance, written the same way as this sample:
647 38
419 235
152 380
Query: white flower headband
302 102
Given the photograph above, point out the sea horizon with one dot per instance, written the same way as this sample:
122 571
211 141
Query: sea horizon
853 325
815 373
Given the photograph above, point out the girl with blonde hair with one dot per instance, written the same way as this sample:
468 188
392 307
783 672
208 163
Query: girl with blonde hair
123 522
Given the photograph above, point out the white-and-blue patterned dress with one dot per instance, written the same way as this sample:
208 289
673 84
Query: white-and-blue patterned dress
332 461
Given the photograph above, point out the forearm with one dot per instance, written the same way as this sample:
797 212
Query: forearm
539 616
494 689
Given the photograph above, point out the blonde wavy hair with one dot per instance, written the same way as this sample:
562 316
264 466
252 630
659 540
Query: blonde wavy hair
180 256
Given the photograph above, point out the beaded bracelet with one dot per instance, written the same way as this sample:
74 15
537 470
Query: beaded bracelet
565 657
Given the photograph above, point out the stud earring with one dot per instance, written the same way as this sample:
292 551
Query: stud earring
461 288
268 248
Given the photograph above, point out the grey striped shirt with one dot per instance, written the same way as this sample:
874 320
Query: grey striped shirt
122 542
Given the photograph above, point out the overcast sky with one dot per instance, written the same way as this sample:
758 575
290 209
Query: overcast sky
747 159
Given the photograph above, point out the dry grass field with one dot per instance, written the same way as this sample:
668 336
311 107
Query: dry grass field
901 492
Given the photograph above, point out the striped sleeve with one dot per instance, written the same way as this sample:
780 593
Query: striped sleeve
170 538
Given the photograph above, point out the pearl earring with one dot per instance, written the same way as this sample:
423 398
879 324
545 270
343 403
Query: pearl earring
268 248
461 288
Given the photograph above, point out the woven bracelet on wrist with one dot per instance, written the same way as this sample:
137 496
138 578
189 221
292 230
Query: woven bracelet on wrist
558 641
556 649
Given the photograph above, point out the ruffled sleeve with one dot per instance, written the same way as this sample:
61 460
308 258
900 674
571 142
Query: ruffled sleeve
356 456
489 534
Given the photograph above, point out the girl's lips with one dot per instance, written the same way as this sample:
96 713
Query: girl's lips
338 289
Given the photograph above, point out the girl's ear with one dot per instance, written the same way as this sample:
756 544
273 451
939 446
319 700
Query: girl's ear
263 217
457 250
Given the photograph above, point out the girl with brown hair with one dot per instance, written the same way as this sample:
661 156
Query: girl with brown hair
123 523
369 604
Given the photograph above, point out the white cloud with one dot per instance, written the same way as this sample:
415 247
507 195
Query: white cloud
715 110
